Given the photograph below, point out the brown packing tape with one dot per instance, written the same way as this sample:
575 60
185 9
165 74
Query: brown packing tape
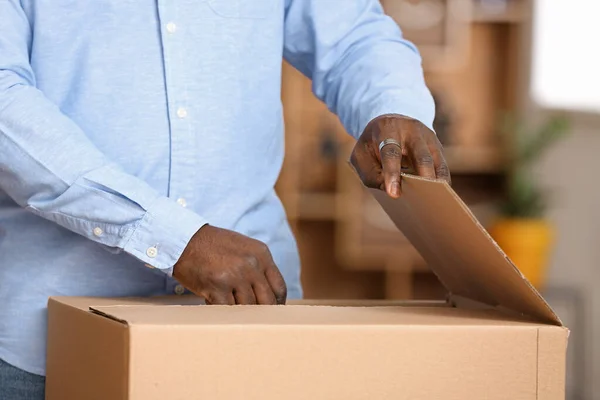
459 250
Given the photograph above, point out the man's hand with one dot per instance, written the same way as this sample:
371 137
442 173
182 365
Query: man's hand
392 141
226 267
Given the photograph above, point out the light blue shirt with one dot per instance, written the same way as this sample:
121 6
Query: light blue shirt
125 126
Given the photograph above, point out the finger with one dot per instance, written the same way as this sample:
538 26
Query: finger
437 152
441 166
263 292
277 283
422 160
220 298
391 162
367 166
244 295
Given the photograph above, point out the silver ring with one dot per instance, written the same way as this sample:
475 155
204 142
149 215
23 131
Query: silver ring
389 141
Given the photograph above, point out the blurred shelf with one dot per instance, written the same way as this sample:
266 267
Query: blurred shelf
511 11
321 206
474 160
316 206
461 160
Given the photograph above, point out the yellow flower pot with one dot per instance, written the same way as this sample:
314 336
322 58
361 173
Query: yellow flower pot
528 243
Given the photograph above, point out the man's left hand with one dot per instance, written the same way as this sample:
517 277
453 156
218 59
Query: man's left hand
392 141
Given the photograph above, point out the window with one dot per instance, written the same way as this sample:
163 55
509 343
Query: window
566 54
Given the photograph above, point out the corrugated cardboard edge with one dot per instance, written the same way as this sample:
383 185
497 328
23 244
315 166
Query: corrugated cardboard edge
552 317
468 211
105 314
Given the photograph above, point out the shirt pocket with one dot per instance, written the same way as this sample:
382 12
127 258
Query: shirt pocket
243 9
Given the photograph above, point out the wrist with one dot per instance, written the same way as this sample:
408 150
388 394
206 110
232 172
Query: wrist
162 235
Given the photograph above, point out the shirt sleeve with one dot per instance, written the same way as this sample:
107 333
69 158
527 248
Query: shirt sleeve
359 63
49 166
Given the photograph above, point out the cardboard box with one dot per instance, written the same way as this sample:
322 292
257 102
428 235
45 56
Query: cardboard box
495 339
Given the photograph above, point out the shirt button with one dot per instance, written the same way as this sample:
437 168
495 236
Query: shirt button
179 290
181 112
152 252
171 27
98 231
181 201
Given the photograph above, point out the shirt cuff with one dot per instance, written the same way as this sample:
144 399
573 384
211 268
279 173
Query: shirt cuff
422 109
163 233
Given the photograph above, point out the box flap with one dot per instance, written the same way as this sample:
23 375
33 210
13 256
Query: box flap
459 250
245 316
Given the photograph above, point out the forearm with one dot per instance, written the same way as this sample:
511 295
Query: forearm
360 64
381 78
50 167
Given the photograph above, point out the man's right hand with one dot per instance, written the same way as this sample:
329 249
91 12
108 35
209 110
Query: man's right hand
226 267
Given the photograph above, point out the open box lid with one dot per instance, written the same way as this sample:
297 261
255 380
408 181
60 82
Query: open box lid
459 250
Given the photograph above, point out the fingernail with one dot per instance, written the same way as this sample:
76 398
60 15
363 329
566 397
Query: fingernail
395 189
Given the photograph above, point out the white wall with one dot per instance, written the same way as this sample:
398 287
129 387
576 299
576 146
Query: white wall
559 73
572 172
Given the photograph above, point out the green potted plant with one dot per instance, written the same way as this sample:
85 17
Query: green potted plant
522 230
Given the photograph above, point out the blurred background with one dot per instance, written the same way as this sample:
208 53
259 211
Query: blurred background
518 110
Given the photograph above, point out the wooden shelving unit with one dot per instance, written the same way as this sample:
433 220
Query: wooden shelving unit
474 160
347 248
317 206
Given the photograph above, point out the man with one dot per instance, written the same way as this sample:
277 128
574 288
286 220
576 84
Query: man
140 142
